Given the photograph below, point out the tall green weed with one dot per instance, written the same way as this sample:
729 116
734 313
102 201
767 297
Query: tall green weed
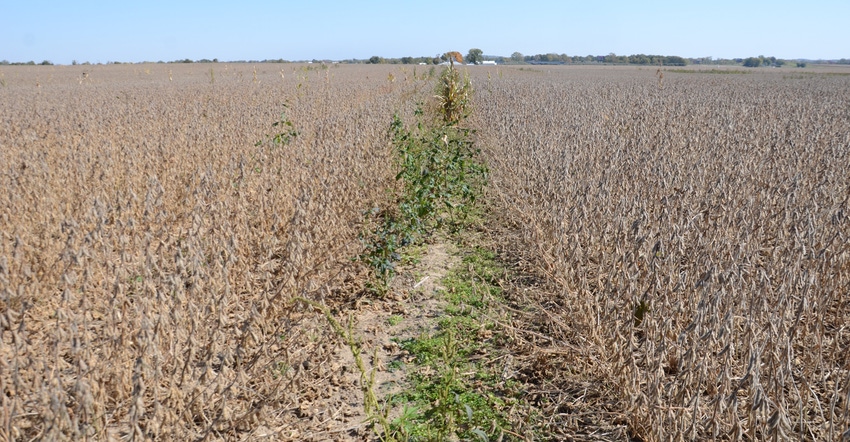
439 172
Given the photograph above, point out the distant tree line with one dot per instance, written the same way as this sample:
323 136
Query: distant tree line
761 60
643 59
552 58
476 56
437 59
28 63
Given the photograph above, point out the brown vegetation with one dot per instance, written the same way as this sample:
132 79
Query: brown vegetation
695 239
150 252
681 252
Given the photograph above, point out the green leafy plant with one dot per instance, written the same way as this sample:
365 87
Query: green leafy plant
440 177
395 320
283 134
450 392
404 426
381 247
285 129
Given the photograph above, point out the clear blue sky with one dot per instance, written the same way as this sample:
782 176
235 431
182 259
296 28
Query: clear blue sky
153 30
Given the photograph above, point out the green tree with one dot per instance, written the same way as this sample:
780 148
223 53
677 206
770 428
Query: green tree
639 59
475 56
674 60
752 62
376 60
517 57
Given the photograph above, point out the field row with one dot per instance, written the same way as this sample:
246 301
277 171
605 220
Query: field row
688 231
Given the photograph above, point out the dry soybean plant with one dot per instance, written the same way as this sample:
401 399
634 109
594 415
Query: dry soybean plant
690 247
151 251
698 239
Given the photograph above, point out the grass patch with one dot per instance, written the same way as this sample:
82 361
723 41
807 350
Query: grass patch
455 394
412 254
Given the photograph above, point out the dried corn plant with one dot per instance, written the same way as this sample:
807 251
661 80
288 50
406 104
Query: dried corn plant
698 236
150 251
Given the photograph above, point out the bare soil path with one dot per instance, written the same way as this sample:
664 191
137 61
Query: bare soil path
410 308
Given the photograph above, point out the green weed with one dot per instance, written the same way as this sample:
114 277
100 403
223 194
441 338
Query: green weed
453 396
284 133
376 414
440 174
